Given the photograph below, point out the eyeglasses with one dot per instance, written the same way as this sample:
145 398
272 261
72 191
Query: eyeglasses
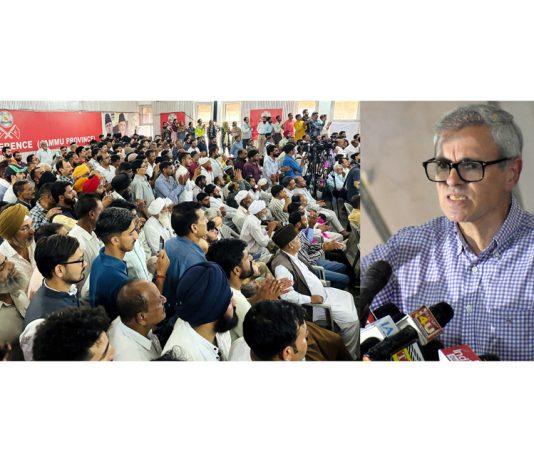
73 262
470 171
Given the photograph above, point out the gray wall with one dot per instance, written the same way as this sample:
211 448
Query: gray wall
396 139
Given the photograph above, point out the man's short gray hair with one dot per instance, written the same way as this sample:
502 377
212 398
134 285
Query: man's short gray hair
504 131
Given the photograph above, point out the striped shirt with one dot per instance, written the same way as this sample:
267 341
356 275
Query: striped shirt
492 293
276 206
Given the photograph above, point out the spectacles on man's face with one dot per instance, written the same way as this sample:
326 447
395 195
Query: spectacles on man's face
470 171
73 262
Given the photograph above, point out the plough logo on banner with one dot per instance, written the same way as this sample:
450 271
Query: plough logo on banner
8 131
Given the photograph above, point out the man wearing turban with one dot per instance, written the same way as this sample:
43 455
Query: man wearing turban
206 313
17 231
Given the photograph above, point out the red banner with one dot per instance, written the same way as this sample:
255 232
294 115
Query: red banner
24 130
255 118
169 117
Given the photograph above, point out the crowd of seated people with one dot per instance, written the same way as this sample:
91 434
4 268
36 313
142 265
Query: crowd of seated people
200 244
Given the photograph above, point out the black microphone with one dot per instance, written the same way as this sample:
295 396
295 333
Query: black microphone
422 326
383 350
373 281
389 309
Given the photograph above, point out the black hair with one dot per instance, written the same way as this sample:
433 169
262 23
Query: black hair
293 207
295 217
79 149
113 221
201 195
355 201
122 168
45 189
122 204
53 250
44 231
182 155
58 189
270 149
85 204
252 153
19 186
289 147
46 177
211 225
199 179
137 164
183 216
270 326
59 163
227 253
276 189
68 335
286 180
114 158
165 164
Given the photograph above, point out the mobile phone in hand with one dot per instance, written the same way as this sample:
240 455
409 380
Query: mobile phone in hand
161 243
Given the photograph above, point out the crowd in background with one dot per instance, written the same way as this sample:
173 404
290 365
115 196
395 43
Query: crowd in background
199 244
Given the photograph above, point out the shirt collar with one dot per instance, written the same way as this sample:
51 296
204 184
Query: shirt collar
111 260
143 341
506 232
72 290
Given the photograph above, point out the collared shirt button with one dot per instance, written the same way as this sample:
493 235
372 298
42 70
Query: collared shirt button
469 308
474 269
496 254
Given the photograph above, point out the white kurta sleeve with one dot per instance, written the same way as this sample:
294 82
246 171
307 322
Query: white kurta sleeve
293 296
256 232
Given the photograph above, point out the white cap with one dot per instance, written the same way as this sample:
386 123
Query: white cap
241 195
156 206
256 207
203 160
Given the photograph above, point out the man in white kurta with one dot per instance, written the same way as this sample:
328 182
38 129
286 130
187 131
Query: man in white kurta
254 235
341 302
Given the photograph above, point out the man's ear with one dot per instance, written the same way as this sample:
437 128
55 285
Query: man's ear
513 173
286 354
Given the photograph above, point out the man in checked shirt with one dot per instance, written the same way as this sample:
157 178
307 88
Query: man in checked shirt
479 257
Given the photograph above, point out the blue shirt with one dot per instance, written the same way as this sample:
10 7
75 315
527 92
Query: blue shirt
492 293
168 187
183 253
108 275
235 148
296 170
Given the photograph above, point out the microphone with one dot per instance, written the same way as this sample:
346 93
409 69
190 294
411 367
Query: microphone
389 309
386 348
410 353
422 325
464 353
428 322
372 282
458 353
376 332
